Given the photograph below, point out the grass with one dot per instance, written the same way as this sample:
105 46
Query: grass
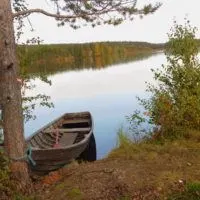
22 197
146 170
74 194
127 148
191 192
167 165
124 198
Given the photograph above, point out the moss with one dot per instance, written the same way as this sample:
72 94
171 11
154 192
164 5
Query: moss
75 194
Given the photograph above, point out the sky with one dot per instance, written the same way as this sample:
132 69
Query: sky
152 28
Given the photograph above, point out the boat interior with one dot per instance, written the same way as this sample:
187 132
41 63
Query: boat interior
66 131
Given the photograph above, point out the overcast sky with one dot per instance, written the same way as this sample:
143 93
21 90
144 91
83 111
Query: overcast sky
152 28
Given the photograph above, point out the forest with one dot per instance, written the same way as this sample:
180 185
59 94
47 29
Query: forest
53 58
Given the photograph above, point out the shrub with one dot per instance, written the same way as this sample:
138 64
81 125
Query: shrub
174 105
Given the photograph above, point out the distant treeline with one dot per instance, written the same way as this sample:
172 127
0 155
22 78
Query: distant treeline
53 58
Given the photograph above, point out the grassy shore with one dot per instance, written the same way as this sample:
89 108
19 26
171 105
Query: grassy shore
152 170
147 170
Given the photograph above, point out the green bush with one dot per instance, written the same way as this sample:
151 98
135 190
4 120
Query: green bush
174 105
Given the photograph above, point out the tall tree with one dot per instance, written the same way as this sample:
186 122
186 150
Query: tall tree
72 12
10 94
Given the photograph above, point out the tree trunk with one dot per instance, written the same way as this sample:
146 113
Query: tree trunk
10 96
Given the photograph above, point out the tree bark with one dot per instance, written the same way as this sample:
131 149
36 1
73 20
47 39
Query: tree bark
10 96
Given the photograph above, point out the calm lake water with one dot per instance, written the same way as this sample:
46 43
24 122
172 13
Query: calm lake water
109 94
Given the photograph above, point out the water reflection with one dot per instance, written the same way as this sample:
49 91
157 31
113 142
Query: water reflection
51 59
109 94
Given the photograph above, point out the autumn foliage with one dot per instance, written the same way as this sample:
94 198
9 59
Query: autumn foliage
175 99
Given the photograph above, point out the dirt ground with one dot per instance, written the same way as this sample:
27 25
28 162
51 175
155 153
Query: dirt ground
149 174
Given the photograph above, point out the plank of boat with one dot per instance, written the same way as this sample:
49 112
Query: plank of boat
40 142
59 153
68 139
49 138
75 121
47 168
66 130
52 135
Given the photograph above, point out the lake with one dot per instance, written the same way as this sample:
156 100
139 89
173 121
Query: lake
108 93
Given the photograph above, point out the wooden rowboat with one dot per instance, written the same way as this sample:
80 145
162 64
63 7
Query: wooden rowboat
67 138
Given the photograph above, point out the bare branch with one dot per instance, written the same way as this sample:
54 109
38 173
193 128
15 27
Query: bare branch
59 16
41 11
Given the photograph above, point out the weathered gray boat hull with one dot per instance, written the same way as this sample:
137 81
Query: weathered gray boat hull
61 141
